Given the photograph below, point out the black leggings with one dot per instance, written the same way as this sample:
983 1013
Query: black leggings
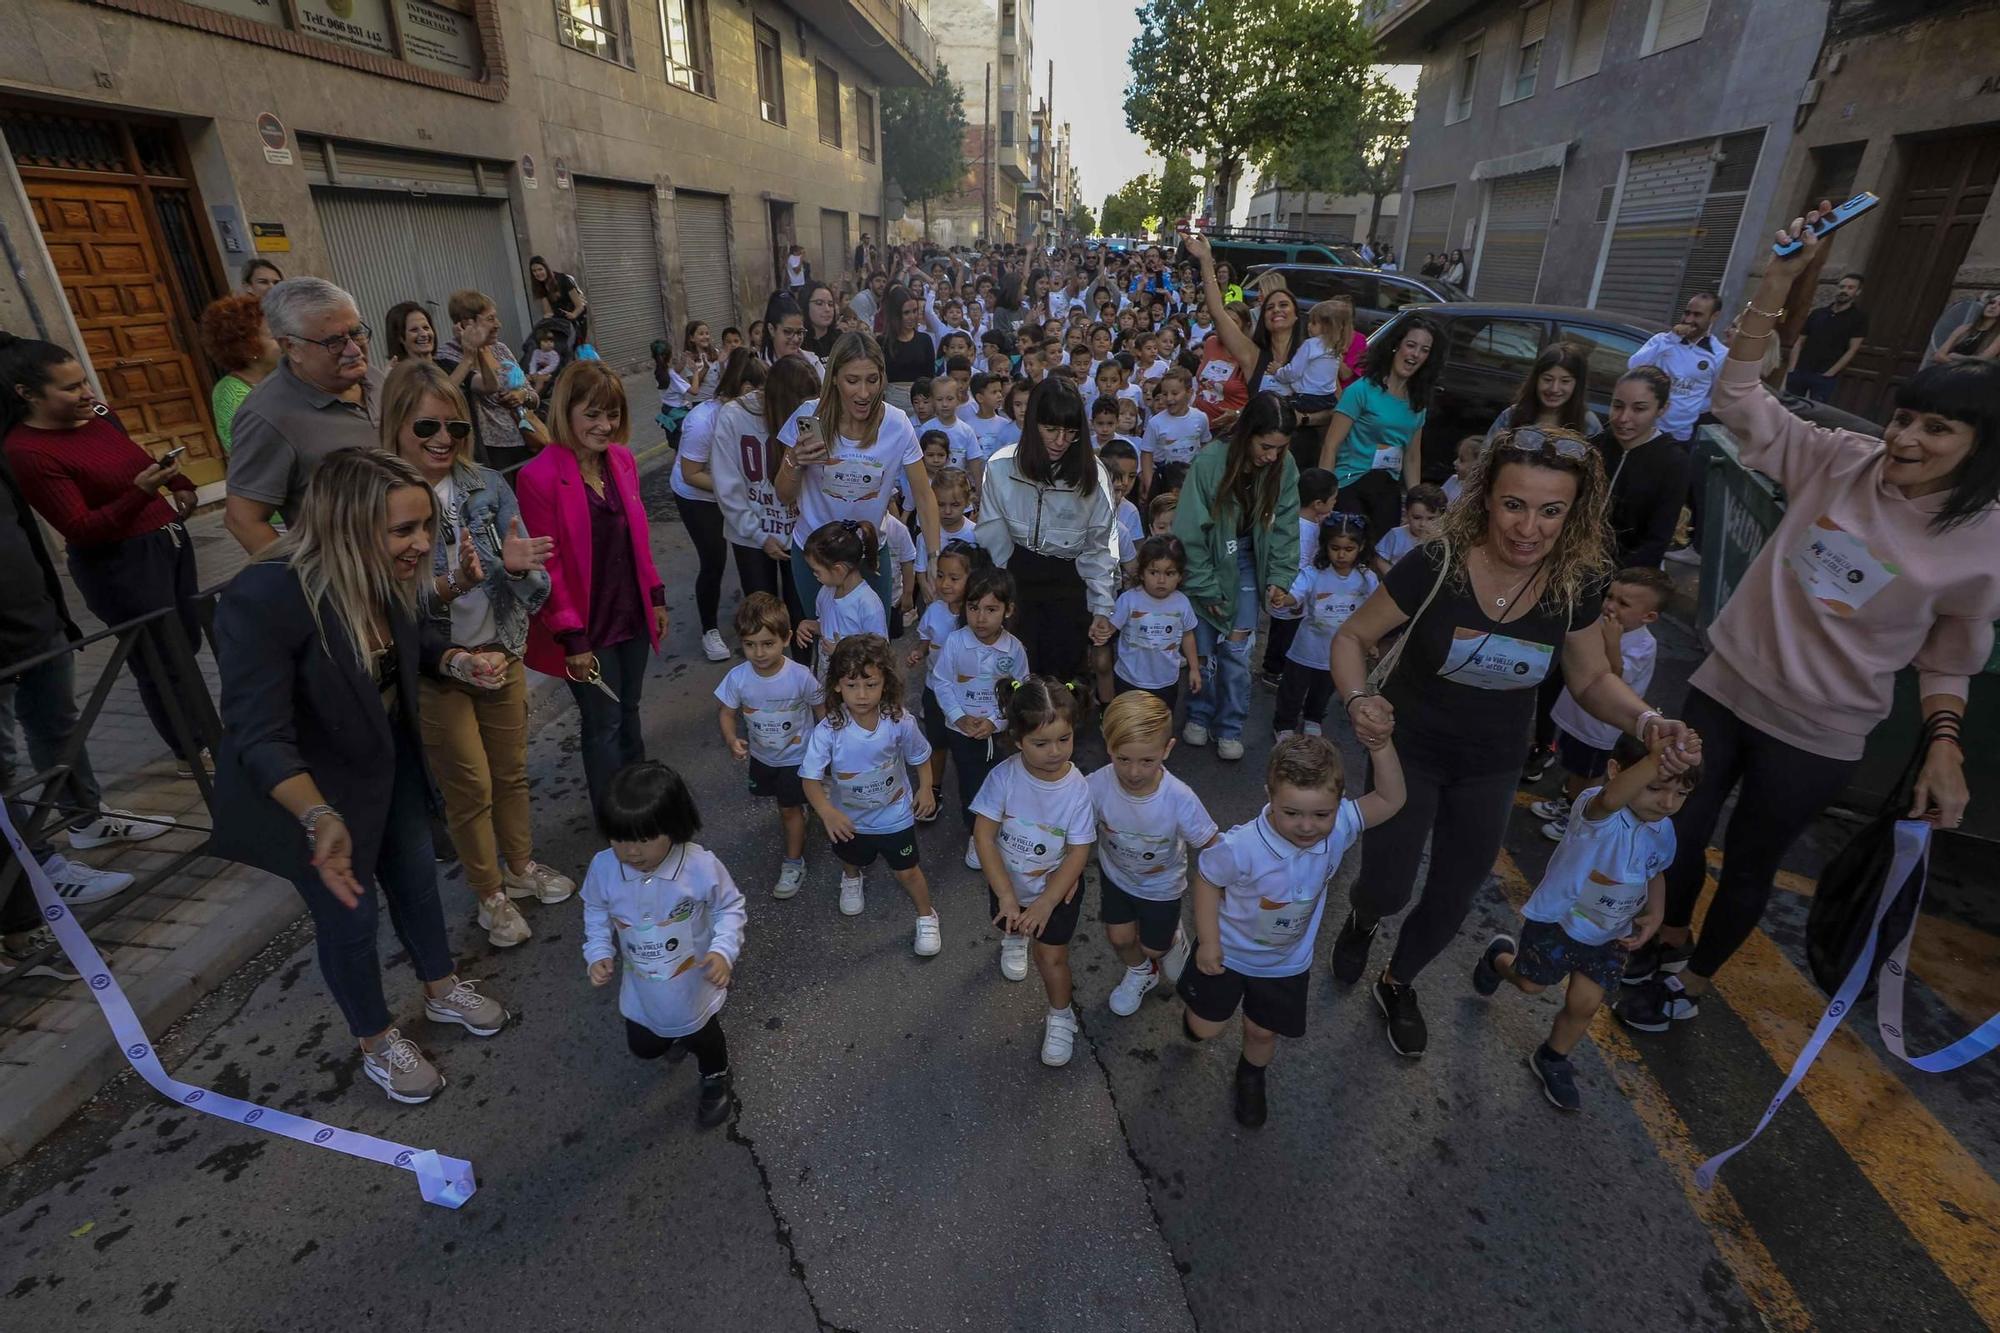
1278 642
1781 789
703 520
1376 495
710 1047
1546 695
1464 819
1051 616
973 759
1302 697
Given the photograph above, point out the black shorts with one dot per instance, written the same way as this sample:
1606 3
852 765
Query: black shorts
1277 1004
1582 760
777 784
1166 694
1548 955
1061 924
897 849
1157 920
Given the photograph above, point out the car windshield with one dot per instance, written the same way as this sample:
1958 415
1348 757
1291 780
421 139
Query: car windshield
1450 291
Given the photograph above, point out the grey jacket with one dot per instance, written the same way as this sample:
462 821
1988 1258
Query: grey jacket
486 508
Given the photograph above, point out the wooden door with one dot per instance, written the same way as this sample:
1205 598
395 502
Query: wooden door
111 274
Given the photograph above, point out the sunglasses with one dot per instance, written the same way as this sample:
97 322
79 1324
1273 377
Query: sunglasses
1530 440
425 427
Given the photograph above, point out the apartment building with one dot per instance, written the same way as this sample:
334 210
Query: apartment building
1328 217
988 47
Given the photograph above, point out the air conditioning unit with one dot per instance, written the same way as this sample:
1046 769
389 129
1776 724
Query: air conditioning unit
1048 215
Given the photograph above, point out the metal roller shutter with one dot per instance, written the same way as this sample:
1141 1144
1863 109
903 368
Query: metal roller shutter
1430 221
701 224
621 270
1518 209
1721 214
834 252
1654 229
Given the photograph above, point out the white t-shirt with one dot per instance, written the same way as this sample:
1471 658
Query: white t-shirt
776 709
967 531
1452 488
967 672
1130 530
1039 822
904 553
1396 543
854 481
964 440
1274 892
1308 543
663 921
1142 841
795 270
993 431
856 612
1596 881
934 626
697 428
1328 600
1174 439
472 623
1637 653
1153 369
867 772
1314 369
1150 632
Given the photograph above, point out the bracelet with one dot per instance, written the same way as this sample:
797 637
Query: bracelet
1750 308
1949 739
309 821
1650 714
1767 333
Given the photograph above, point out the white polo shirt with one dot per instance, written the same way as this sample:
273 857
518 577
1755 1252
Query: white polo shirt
1692 366
1596 881
1274 891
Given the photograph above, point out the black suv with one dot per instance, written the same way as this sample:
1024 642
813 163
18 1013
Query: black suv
1376 295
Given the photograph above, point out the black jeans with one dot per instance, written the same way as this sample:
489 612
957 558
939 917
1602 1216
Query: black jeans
612 737
1546 695
710 1047
123 580
973 759
1781 789
1464 819
1302 697
1051 616
703 521
758 572
1278 642
1376 495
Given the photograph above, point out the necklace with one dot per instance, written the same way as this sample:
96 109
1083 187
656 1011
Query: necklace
1500 602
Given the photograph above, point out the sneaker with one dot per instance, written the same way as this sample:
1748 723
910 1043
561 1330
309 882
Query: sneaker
1132 987
1014 957
118 826
503 923
791 878
481 1015
929 938
713 648
1538 764
1228 747
1279 738
78 884
56 967
401 1070
1312 729
1058 1037
971 854
1272 679
852 901
1556 830
1195 734
1485 978
1251 1109
1350 950
1684 555
1546 809
183 769
1175 960
1407 1034
716 1094
1657 1005
1557 1077
1656 957
538 882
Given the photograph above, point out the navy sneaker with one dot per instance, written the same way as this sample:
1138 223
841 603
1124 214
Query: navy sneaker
713 1108
1537 765
1557 1077
1485 979
1657 1005
1656 957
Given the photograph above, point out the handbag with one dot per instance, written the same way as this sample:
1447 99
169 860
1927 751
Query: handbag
1842 917
1385 665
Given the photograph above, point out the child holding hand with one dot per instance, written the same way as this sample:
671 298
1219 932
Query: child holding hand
779 700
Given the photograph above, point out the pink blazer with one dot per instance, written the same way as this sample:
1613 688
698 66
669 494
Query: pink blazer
553 504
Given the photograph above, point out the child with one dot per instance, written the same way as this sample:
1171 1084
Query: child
1160 514
1146 820
779 700
992 429
1466 459
732 338
937 452
836 553
1330 588
1599 901
1315 373
942 614
1151 364
1016 406
1317 490
678 919
920 402
1259 893
1175 435
1584 744
795 269
856 778
1121 464
953 491
1131 421
1155 624
955 359
1421 512
1034 830
964 440
673 387
906 565
544 364
976 657
1103 422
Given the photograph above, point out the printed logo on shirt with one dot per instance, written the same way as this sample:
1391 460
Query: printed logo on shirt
1495 661
1837 568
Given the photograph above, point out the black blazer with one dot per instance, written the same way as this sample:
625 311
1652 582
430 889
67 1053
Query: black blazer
289 706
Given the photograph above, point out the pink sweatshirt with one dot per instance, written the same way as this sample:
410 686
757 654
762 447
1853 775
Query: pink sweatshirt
1852 587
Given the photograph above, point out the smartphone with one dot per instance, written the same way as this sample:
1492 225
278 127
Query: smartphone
808 429
173 455
1838 218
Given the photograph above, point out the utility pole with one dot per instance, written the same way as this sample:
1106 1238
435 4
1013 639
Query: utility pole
986 158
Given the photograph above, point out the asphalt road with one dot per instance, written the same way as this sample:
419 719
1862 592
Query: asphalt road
902 1161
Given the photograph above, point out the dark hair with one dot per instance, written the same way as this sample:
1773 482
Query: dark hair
1656 581
647 800
1340 525
741 372
853 655
687 334
1168 477
845 541
1155 549
1117 447
933 435
1631 750
982 380
972 553
923 387
1033 703
805 304
397 320
1316 484
1382 355
1255 491
250 269
1056 403
1106 405
25 363
763 610
789 384
729 330
954 364
1967 391
1429 496
1261 335
779 307
893 302
1527 404
987 581
1654 379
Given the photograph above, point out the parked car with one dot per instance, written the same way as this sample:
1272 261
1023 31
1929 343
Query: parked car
1246 248
1376 295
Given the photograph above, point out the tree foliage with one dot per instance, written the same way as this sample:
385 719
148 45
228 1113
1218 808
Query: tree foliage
1363 155
1127 212
1178 194
1081 220
923 137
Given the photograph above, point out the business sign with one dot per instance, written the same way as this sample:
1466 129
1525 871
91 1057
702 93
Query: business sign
439 39
272 131
361 24
270 238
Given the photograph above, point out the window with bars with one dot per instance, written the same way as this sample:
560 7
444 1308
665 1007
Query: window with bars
1528 51
864 124
595 27
770 74
826 84
684 37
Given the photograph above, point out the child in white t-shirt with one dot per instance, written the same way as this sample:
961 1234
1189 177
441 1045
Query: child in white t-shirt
1176 434
1332 584
1313 374
976 657
1155 623
779 701
964 440
1317 491
1421 512
1034 827
942 614
991 425
836 553
1462 465
952 488
906 563
1259 893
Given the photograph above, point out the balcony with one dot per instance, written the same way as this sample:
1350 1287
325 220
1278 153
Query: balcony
1402 29
887 38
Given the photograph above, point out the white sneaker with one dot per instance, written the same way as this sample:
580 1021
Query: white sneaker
791 878
1058 1037
1132 988
503 923
929 938
713 648
1313 729
1175 958
1014 957
1556 830
538 882
77 884
1229 748
851 900
1195 734
1550 810
118 826
971 854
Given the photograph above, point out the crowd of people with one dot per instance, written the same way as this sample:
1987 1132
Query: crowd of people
1087 482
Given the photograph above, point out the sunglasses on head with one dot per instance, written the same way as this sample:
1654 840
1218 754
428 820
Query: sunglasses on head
1530 440
425 427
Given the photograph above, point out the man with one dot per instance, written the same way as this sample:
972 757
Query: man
1833 335
1368 250
1691 356
324 396
1068 295
867 303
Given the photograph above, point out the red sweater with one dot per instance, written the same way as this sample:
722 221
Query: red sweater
81 482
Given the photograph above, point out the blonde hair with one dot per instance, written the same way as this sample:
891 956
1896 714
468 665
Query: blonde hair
588 384
403 394
467 303
334 543
1581 555
1332 320
850 347
1136 716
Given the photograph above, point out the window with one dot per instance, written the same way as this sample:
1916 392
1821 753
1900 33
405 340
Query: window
1674 23
1465 82
1585 53
1606 351
1006 129
1313 287
1528 51
770 74
1507 346
864 124
596 27
826 84
1393 294
1834 170
684 37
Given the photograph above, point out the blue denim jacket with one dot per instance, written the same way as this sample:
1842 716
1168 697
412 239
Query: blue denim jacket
486 508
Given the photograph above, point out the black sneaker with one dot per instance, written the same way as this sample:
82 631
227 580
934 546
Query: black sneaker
1407 1034
1557 1077
713 1108
1656 958
1251 1109
1271 679
1485 979
1539 762
1350 950
1657 1005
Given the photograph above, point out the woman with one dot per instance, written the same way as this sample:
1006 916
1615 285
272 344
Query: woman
700 362
1221 389
694 494
1454 269
234 336
1239 519
409 333
1511 583
1648 472
558 295
1554 393
785 334
1883 559
1977 339
260 276
487 579
479 360
909 354
840 451
1374 443
742 475
128 551
321 775
822 325
1047 513
606 603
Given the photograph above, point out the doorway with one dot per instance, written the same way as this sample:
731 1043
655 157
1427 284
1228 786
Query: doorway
784 235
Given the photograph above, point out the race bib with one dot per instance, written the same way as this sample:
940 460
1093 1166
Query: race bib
1150 630
1388 458
1279 925
1214 376
1137 855
875 788
1032 851
851 478
1495 661
1605 905
1331 610
660 950
1837 569
776 731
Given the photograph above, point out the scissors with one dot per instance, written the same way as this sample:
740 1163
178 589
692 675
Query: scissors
596 677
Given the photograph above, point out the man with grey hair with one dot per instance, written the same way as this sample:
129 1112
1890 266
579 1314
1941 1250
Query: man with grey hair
324 396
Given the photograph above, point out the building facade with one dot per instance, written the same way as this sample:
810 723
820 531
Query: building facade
666 152
1327 217
988 48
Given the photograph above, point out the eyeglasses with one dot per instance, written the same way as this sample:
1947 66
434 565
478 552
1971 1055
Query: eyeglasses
358 335
425 427
1529 440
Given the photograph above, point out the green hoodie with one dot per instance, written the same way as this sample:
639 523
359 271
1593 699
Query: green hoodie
1210 537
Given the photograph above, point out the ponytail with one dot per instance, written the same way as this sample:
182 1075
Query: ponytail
1033 703
846 541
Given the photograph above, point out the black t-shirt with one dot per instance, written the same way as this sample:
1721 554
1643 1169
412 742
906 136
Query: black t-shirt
912 360
1828 331
1464 690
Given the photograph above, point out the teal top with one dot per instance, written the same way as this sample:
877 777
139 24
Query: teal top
1383 427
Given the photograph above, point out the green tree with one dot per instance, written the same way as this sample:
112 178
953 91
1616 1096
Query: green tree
1177 194
923 140
1081 220
1128 212
1360 156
